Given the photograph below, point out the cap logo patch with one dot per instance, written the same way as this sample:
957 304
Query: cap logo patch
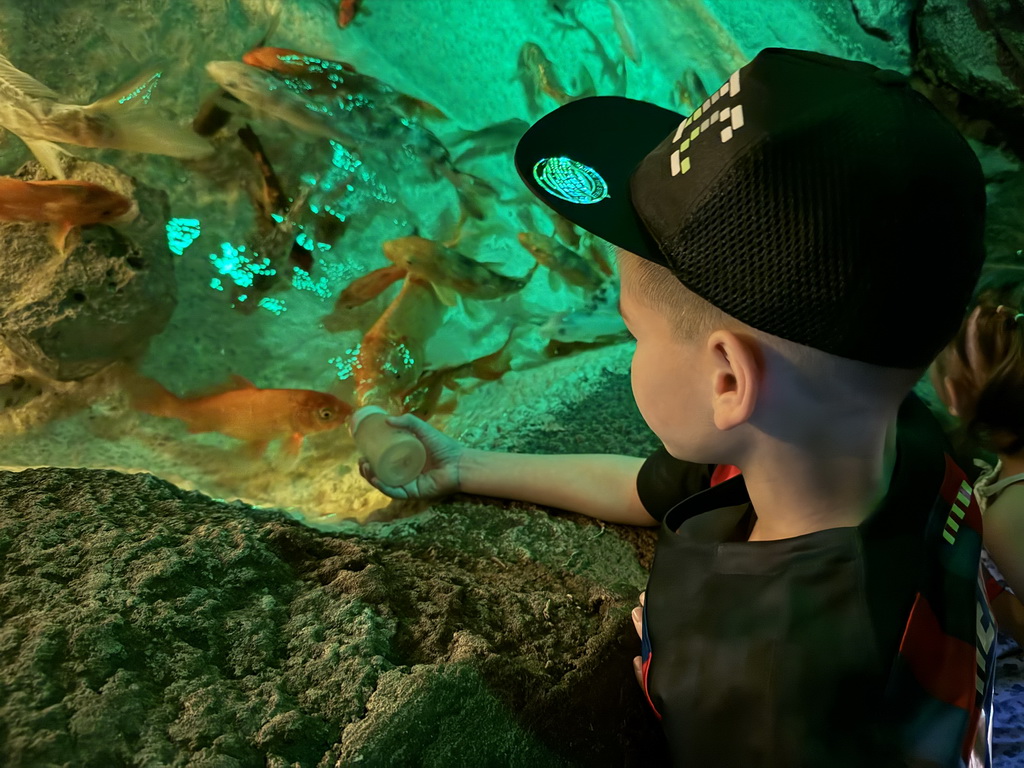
570 180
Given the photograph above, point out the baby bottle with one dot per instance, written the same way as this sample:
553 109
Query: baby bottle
394 455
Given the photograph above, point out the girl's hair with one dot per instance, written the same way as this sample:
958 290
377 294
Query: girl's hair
990 393
694 319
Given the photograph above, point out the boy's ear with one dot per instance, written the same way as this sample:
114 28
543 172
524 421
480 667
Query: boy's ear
738 368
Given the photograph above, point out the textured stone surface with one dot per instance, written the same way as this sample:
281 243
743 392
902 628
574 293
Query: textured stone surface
144 625
970 55
71 316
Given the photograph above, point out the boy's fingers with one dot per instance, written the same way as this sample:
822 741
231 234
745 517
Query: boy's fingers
638 621
638 670
642 595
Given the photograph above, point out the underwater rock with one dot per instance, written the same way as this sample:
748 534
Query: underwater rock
16 390
70 316
971 54
146 625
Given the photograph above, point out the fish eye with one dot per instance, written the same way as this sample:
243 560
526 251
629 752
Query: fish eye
326 414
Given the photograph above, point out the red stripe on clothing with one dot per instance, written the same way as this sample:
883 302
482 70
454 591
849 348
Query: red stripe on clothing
943 665
722 473
646 667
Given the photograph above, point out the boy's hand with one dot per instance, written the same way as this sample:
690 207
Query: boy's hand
638 622
440 475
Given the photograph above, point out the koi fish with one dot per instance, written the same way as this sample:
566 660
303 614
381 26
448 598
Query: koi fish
35 114
277 246
241 410
449 272
391 356
326 77
492 140
289 101
360 291
423 399
567 264
584 326
537 74
613 71
65 204
624 32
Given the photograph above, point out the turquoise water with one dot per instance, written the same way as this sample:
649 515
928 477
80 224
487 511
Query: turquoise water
256 288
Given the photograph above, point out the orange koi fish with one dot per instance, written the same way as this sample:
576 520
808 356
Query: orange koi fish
567 264
243 411
326 77
360 291
391 360
65 204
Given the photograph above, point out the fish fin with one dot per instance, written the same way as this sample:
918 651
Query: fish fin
553 282
135 128
59 237
48 154
23 82
417 107
585 84
448 296
293 444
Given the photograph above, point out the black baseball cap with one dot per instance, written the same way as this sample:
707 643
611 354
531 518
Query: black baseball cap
820 200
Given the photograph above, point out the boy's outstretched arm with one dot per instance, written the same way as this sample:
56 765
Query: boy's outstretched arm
602 486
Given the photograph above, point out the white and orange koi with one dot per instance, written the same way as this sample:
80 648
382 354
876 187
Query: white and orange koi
35 114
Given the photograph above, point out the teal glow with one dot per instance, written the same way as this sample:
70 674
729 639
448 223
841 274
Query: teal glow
570 180
302 281
347 363
278 218
216 284
143 91
274 305
239 267
181 233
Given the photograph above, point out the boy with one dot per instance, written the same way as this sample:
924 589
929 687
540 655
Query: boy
814 598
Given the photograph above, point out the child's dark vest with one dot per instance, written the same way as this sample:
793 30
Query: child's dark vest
937 700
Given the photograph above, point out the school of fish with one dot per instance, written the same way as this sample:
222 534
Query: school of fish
374 123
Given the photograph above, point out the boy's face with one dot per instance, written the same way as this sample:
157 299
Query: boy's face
665 375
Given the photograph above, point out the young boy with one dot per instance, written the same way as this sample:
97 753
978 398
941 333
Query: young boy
814 598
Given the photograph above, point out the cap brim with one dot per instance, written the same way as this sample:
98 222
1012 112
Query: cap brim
608 136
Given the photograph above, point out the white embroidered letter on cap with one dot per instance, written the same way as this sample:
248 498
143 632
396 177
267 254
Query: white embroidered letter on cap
736 114
734 83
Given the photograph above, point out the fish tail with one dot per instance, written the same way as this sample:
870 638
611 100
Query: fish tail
150 396
134 126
